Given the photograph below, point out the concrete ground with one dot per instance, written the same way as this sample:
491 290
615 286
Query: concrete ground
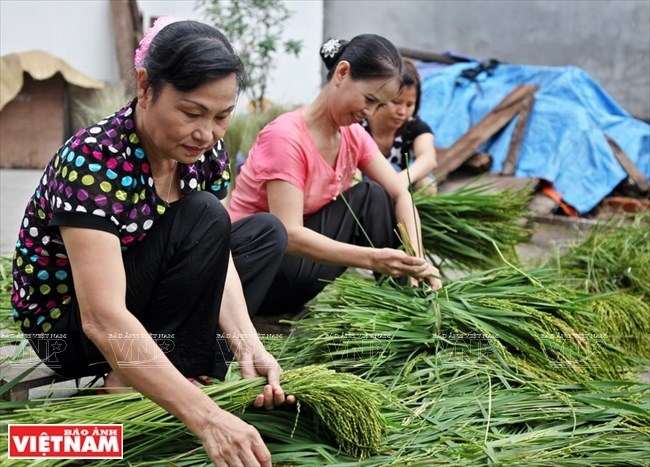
16 187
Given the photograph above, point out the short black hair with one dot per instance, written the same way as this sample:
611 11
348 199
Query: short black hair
186 54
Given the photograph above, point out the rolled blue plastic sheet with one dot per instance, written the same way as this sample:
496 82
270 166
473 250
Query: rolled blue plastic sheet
564 141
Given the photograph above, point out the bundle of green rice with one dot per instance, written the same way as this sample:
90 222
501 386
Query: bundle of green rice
614 260
471 228
341 409
525 321
623 321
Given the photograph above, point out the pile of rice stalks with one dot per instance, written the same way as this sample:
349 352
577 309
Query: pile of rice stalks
471 228
497 369
614 257
464 410
614 260
524 321
339 410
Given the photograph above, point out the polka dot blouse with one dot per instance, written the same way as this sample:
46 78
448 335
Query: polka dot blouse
99 179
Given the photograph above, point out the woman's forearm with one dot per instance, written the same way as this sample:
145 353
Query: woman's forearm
138 361
234 318
316 247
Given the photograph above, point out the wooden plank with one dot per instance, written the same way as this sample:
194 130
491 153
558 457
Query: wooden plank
480 162
631 169
42 375
453 157
510 163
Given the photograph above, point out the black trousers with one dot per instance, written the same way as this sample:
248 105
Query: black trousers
299 280
175 283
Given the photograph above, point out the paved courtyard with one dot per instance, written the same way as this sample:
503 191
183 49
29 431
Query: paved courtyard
16 187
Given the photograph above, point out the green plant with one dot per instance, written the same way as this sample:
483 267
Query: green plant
244 128
255 28
471 228
90 106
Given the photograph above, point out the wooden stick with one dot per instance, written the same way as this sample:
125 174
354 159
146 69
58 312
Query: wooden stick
428 56
631 169
510 163
454 156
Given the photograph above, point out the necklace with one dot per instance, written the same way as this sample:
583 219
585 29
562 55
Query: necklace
172 176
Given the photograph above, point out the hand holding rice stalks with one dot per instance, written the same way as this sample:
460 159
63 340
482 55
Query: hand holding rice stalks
344 407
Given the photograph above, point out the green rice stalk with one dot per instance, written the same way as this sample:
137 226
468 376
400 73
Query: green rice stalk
523 320
622 320
405 239
464 410
289 442
471 228
348 406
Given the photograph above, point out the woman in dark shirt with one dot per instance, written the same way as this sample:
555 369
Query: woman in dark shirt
405 140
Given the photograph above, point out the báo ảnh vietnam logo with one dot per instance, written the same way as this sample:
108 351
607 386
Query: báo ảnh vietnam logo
84 441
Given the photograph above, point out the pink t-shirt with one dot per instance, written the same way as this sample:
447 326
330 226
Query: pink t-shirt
285 150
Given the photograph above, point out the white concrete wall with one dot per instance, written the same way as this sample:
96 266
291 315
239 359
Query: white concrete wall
609 39
294 80
81 33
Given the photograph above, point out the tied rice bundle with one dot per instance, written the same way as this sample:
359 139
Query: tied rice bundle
348 405
470 228
342 407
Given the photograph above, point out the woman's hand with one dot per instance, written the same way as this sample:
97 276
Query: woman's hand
397 263
229 441
262 363
432 277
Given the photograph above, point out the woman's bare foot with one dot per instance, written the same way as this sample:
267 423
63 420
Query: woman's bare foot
114 385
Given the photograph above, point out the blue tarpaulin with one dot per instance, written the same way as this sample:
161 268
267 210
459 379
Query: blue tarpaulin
564 142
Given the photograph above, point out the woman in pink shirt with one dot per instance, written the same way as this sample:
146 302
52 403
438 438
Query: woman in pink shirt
302 167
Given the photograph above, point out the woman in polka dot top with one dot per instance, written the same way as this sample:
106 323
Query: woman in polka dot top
127 264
